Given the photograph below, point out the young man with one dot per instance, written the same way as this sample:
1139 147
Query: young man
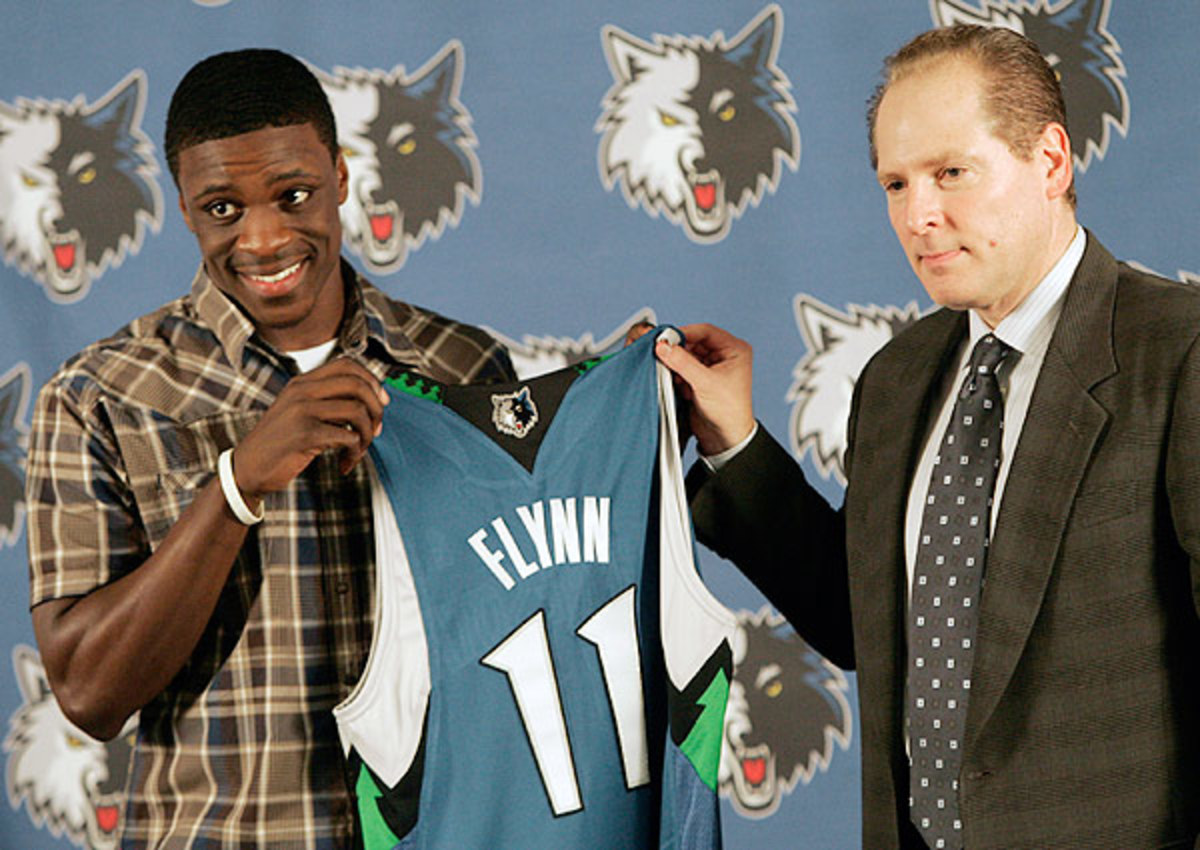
1024 633
199 519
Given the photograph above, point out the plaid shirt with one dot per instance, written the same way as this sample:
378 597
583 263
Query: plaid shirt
241 749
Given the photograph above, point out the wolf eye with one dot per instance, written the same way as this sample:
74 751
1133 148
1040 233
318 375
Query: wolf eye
29 180
348 152
667 120
727 113
86 176
407 146
74 742
774 689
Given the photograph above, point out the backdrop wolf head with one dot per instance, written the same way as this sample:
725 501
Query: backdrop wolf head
839 346
698 128
1074 38
70 783
788 708
78 186
410 151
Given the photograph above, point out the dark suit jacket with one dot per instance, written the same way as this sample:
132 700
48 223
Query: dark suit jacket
1083 727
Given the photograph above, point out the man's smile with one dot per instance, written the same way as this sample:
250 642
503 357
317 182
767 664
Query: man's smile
275 284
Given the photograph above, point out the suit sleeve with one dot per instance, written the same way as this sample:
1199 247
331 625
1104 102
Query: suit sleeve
1183 465
760 513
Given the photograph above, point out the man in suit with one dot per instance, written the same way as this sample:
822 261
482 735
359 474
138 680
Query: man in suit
1078 698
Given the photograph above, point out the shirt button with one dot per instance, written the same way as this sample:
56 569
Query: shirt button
342 587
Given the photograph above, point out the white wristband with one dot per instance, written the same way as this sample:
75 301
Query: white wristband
233 496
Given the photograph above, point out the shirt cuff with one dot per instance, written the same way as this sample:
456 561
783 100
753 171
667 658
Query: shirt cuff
715 462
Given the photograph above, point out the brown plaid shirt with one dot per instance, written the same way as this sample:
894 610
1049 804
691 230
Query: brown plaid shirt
241 749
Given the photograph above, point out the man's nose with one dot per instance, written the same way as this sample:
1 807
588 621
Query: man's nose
264 231
923 207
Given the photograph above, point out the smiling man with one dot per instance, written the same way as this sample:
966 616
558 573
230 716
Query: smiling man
1015 574
199 518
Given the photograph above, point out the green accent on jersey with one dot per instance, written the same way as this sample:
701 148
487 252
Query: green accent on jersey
585 366
702 746
376 834
416 386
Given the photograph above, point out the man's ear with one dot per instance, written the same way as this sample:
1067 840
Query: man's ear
343 173
1054 148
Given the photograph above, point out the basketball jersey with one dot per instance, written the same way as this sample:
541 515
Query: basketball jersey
547 670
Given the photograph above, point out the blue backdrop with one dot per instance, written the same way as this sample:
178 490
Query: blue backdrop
583 181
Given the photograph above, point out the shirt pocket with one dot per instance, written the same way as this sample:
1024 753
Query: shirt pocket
168 461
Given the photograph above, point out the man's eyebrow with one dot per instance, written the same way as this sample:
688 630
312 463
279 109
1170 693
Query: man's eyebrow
212 189
282 177
937 160
292 175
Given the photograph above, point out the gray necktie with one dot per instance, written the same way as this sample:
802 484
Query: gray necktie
947 578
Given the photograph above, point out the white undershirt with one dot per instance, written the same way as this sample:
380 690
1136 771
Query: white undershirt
308 359
1027 329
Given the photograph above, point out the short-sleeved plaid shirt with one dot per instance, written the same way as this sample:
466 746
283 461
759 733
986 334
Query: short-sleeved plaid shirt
241 749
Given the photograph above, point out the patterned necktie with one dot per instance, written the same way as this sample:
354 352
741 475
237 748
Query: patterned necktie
955 527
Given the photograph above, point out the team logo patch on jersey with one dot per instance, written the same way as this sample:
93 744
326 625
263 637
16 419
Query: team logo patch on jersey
839 346
69 783
787 711
696 128
410 151
14 439
1073 36
514 414
536 355
78 186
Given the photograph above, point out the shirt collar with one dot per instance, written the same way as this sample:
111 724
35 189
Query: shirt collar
216 310
366 320
1029 327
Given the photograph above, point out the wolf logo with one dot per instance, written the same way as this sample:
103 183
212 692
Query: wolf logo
14 437
537 355
514 414
78 186
787 709
410 151
839 346
698 128
1073 35
1185 276
70 783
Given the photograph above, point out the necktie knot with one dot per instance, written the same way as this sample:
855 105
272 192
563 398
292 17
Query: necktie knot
986 357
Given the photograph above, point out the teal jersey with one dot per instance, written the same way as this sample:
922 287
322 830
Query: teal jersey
547 670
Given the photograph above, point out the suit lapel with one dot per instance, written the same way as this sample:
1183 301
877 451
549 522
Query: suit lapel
1057 439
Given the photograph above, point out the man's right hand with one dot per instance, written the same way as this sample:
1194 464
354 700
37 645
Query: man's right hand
336 406
717 370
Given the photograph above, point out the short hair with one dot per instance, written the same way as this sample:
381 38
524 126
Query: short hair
1021 91
240 91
